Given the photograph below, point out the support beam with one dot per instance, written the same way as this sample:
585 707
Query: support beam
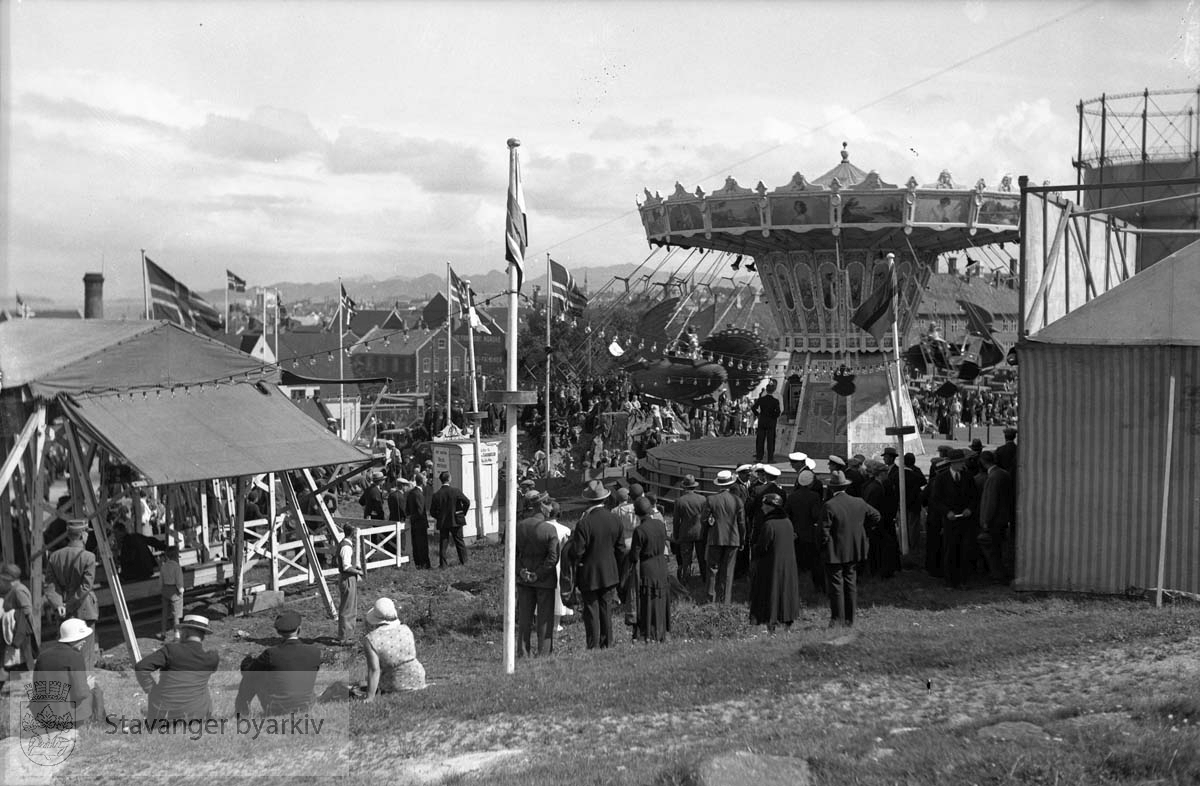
38 446
239 543
14 456
310 550
273 532
88 498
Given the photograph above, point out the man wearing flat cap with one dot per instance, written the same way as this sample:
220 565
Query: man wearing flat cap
283 676
537 576
184 668
372 497
599 552
70 578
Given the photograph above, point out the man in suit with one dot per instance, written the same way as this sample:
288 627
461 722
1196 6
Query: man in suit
1006 459
184 668
283 676
537 574
767 408
418 521
372 497
70 578
806 510
995 513
61 663
843 546
952 500
686 529
599 552
725 518
449 508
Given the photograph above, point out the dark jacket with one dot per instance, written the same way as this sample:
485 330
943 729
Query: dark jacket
948 496
767 408
844 533
995 505
599 549
448 507
372 503
63 664
537 552
726 517
687 523
806 511
282 677
182 689
414 506
395 503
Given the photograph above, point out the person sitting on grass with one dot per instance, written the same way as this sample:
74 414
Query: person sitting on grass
61 663
184 668
391 653
283 676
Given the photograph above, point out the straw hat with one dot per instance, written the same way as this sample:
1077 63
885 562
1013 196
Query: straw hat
382 612
73 630
725 478
837 480
196 622
595 491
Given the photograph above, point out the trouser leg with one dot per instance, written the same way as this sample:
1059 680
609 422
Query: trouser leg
347 607
545 619
526 598
590 611
833 577
604 617
460 545
850 589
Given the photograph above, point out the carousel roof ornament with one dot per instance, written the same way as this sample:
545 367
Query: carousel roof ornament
845 173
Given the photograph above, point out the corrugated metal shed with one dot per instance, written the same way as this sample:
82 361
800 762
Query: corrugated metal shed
1094 390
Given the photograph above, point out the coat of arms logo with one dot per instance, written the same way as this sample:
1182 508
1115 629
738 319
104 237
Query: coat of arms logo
48 723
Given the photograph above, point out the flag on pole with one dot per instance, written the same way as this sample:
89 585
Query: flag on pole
234 283
347 304
560 285
172 301
875 315
460 293
577 301
516 233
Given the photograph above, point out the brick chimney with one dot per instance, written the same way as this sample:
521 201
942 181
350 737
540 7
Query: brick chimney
93 296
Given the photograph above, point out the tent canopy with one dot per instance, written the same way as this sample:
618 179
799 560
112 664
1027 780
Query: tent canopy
217 431
1156 306
55 356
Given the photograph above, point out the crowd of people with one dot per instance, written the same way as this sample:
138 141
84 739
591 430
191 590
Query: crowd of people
977 407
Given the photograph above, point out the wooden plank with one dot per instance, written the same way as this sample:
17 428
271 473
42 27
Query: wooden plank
273 535
18 449
39 445
6 529
239 542
309 548
88 498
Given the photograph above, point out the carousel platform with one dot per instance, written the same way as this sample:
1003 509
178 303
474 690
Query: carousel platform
663 467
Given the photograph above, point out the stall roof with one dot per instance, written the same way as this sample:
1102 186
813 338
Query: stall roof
1156 306
55 356
217 431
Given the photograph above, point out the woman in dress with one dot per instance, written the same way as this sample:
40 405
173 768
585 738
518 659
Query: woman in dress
775 589
564 535
391 653
648 562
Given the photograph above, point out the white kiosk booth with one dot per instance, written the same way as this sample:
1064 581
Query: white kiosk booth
457 456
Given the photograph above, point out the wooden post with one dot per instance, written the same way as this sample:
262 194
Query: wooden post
273 534
239 543
38 446
799 404
289 494
88 498
18 449
7 543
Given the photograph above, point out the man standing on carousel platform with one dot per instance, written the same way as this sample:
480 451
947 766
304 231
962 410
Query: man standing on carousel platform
767 409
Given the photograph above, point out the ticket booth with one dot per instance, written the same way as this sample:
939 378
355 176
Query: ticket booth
457 456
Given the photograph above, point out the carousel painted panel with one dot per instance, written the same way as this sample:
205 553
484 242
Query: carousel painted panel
859 208
798 212
941 208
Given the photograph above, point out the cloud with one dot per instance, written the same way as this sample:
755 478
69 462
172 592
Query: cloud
70 110
617 129
436 165
269 134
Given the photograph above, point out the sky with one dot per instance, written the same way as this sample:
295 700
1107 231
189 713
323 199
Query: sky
302 141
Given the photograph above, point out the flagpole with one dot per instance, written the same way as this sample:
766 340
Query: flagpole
549 316
262 293
341 363
898 412
227 302
449 348
277 325
510 423
478 420
145 286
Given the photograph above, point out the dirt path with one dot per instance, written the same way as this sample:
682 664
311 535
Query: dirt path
1104 677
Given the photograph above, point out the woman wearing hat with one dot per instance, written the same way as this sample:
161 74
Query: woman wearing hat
391 652
61 663
19 645
885 547
775 586
650 591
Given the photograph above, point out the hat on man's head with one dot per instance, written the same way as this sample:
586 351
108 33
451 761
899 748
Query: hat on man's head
689 482
725 478
772 499
643 506
403 481
857 460
383 611
73 630
957 456
810 464
805 478
10 572
77 527
744 468
837 462
837 480
620 494
890 451
771 470
375 475
977 445
798 457
874 467
595 491
287 622
196 622
636 490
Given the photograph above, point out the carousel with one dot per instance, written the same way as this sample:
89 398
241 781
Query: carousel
820 248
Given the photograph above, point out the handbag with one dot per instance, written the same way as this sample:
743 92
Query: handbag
571 599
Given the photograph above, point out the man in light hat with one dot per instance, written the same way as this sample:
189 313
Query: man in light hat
687 529
61 663
417 513
800 463
741 485
726 517
805 507
372 497
70 578
843 546
599 552
184 668
855 474
283 676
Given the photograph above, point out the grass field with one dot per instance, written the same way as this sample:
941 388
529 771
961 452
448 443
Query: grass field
1110 689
